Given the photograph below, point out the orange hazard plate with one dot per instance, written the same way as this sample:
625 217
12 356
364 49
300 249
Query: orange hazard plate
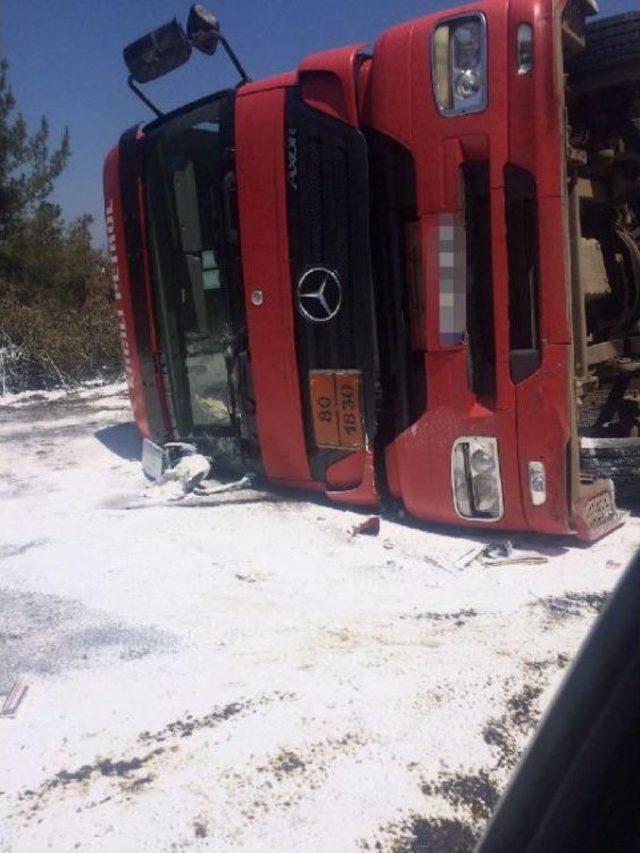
336 404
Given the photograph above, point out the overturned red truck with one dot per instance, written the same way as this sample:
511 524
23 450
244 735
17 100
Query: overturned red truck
409 272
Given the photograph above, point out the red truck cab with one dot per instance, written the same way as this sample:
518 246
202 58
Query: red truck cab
363 278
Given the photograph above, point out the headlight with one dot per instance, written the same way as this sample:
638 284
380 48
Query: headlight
459 65
475 474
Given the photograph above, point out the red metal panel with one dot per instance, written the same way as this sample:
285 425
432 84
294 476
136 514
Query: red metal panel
387 97
544 431
278 81
500 269
536 143
348 472
328 82
423 463
122 286
522 124
364 494
364 71
260 164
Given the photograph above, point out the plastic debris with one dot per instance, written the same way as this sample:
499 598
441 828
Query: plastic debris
14 698
496 551
204 488
498 554
468 557
370 527
182 478
501 554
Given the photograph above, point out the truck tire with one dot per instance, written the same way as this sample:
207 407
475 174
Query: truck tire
611 55
616 459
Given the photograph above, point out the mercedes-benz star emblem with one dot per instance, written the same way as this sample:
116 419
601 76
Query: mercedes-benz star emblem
319 295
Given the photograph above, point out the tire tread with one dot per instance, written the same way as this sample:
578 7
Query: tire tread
612 44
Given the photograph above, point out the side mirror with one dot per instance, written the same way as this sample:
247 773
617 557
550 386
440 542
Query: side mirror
169 47
203 29
157 53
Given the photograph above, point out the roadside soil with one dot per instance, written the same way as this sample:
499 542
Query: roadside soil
244 674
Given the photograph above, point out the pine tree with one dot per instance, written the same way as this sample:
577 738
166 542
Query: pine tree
28 168
56 325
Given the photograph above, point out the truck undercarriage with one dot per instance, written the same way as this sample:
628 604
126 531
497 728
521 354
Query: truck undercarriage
603 114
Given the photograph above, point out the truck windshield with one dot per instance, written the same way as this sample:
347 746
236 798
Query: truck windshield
184 178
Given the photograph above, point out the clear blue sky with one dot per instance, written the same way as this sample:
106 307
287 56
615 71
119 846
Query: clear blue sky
65 61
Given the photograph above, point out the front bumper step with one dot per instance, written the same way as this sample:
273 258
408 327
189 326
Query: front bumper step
595 513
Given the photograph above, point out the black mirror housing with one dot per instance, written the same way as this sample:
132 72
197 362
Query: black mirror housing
157 53
203 29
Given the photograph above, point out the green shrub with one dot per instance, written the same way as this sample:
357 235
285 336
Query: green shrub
57 325
45 343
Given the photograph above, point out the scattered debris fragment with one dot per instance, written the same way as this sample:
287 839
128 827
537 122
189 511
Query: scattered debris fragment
468 557
501 554
14 698
612 564
206 488
497 551
523 560
431 561
370 527
248 578
498 554
154 459
187 472
200 827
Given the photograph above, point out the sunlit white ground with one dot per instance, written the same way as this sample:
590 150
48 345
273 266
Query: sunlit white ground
245 675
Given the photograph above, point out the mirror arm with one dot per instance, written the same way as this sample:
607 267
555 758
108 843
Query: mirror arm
143 97
232 56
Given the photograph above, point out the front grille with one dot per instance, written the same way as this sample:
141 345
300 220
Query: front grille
328 222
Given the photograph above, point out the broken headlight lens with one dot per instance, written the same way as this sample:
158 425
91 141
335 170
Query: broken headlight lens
482 461
475 472
486 495
459 65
